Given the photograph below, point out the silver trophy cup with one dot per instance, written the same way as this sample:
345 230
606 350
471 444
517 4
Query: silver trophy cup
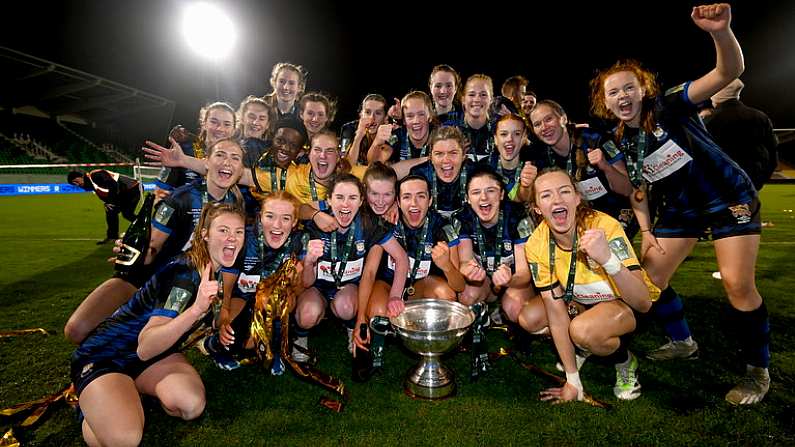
430 328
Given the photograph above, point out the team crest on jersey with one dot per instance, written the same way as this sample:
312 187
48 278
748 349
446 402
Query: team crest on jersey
660 133
428 248
360 246
163 214
87 369
742 213
507 246
619 247
177 299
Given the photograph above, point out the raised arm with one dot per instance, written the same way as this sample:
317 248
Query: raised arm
160 333
729 65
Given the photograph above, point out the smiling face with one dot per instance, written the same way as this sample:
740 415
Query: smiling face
484 195
278 219
508 138
345 201
548 126
255 121
556 199
323 156
624 97
225 239
417 118
447 158
287 86
218 123
224 164
443 89
477 97
380 195
286 144
373 112
415 200
314 116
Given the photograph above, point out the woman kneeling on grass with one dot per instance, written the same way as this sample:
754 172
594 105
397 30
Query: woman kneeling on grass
591 291
137 349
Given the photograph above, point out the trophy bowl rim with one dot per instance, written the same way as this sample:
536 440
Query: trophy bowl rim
424 301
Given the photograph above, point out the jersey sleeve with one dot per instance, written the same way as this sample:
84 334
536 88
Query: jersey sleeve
166 215
175 288
618 243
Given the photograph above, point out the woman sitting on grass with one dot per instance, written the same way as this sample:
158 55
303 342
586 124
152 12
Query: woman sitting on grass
137 349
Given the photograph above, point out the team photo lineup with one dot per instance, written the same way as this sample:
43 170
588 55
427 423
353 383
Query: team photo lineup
269 217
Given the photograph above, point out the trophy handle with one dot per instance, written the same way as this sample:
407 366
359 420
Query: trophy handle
382 326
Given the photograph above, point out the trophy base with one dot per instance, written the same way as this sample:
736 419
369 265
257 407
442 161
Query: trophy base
433 383
416 391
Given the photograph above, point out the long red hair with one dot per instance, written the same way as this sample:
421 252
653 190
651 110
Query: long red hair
647 80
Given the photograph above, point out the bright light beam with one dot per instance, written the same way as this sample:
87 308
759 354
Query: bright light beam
209 31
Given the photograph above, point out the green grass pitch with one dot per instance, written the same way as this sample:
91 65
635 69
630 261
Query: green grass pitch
50 263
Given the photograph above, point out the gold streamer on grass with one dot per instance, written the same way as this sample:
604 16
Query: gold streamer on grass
275 297
39 407
8 439
18 332
587 398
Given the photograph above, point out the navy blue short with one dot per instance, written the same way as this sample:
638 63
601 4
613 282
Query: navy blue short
329 292
85 371
739 219
138 277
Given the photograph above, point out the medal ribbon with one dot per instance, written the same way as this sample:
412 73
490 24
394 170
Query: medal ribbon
635 168
339 272
420 247
569 295
462 185
282 180
497 248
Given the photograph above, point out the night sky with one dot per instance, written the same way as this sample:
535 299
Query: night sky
350 49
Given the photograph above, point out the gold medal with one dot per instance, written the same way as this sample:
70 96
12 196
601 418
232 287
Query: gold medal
639 195
573 311
410 290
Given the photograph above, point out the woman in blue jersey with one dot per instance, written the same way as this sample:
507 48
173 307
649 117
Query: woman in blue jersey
445 84
256 119
288 82
172 224
395 143
492 232
510 136
340 265
590 158
356 137
477 95
136 351
672 158
446 170
275 242
217 121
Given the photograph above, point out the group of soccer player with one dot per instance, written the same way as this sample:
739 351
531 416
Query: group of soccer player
474 198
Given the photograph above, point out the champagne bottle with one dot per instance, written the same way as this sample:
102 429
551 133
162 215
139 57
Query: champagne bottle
135 243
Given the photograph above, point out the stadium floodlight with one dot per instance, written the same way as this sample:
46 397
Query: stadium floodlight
208 30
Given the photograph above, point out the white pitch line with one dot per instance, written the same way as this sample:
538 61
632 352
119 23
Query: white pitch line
76 239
